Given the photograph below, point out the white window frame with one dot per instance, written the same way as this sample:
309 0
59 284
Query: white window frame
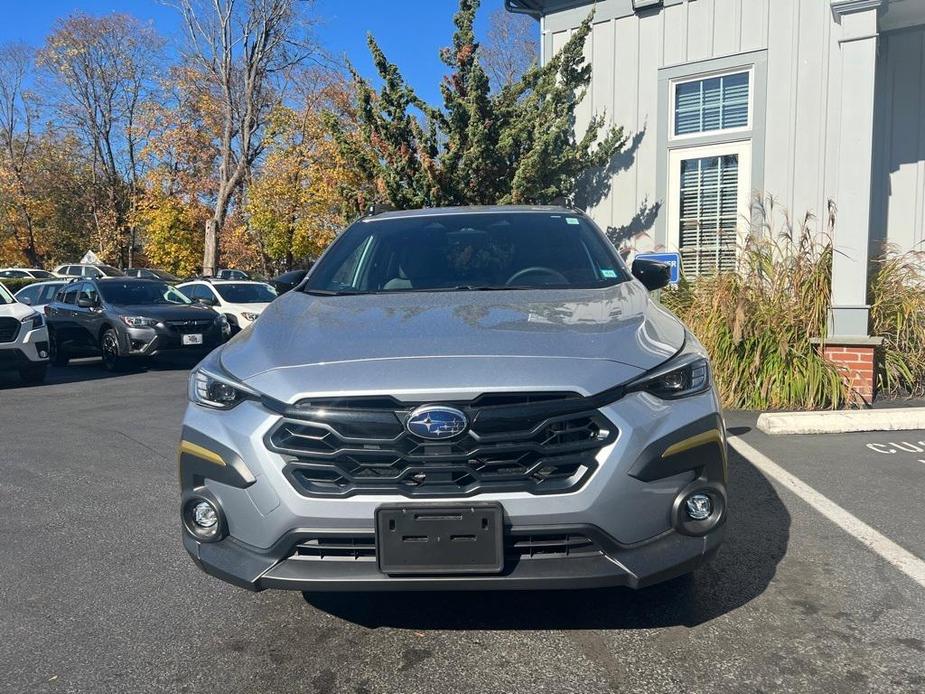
743 149
673 94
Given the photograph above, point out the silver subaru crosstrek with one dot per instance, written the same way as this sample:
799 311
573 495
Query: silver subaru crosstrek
460 398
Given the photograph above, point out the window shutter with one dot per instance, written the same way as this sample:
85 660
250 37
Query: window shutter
715 103
709 195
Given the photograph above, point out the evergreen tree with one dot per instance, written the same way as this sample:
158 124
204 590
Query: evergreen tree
516 145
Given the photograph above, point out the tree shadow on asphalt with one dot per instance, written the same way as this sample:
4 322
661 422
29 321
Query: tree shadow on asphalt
757 535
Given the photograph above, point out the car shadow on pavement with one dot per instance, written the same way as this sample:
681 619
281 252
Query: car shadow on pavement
91 369
758 533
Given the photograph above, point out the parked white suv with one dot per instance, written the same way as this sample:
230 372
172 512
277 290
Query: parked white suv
25 273
240 301
91 270
23 339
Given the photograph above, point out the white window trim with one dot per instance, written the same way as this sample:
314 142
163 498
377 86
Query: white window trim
673 94
743 149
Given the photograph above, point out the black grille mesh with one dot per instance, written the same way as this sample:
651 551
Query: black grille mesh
517 546
185 327
9 329
538 446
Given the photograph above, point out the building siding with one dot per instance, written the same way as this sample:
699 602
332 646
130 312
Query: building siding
801 132
898 214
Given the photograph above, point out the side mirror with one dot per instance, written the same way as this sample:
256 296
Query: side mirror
206 301
653 274
26 300
84 302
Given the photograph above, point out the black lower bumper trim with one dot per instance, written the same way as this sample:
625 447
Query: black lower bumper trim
661 559
17 359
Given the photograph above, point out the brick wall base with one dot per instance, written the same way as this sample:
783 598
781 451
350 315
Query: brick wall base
858 364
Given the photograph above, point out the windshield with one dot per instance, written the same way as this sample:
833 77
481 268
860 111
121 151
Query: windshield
141 293
245 293
468 251
5 296
43 274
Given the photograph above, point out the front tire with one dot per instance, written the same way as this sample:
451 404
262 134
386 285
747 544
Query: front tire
33 374
109 349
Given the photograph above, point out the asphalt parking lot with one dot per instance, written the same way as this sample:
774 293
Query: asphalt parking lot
98 595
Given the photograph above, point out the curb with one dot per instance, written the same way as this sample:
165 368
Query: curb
839 422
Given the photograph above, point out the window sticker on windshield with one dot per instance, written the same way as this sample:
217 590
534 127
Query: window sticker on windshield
607 272
571 220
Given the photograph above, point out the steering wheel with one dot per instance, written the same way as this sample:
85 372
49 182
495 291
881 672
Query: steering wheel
538 270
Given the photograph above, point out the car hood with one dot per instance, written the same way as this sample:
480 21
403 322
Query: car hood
164 312
428 343
16 310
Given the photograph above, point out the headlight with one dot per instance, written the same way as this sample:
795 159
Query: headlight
687 373
34 321
138 321
249 316
218 391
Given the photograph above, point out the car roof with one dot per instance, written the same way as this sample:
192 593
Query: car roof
212 280
57 280
86 265
473 209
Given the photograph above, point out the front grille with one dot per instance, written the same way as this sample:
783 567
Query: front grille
337 548
550 545
538 444
9 329
185 327
517 547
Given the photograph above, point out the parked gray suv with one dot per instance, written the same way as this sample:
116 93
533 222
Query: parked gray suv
462 398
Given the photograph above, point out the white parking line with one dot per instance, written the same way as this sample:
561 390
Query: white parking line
902 559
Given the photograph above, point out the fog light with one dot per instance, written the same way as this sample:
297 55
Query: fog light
203 520
699 506
43 354
204 515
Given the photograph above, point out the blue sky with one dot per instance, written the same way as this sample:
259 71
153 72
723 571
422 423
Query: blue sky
410 31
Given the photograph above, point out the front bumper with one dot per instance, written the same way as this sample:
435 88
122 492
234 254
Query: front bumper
660 559
151 342
29 348
629 507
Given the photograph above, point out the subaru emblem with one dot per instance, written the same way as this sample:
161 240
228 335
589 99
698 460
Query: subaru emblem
436 422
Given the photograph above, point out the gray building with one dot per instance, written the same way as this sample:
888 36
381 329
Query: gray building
804 100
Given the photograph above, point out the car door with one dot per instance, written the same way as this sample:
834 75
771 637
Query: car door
95 317
60 313
85 317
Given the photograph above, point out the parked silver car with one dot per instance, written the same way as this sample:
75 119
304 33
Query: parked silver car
460 398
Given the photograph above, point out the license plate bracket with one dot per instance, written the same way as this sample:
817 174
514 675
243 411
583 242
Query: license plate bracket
192 339
440 539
